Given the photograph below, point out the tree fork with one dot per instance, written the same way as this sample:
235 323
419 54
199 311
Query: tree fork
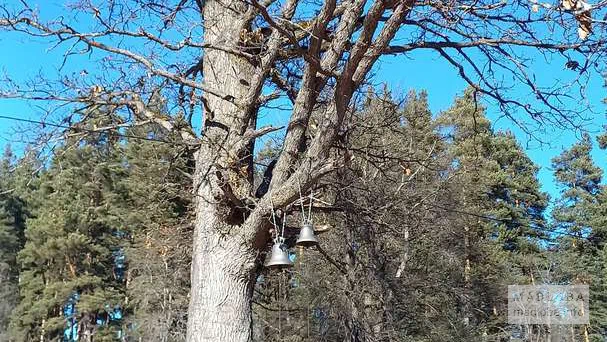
224 255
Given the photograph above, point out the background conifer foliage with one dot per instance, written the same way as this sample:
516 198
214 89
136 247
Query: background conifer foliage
144 210
421 231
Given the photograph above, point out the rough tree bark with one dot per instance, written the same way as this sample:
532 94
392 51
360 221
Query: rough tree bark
228 239
224 256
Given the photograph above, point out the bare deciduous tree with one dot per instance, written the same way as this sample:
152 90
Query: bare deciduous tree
229 61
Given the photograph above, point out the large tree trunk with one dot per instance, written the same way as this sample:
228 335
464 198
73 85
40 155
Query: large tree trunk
222 283
224 255
224 264
229 235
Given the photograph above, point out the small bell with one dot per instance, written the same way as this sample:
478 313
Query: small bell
306 236
279 257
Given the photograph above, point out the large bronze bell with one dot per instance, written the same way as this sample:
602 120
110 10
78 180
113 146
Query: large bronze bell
279 257
306 236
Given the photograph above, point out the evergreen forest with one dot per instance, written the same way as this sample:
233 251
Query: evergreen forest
303 171
420 233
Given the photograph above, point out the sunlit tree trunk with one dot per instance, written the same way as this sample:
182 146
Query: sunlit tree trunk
223 260
222 281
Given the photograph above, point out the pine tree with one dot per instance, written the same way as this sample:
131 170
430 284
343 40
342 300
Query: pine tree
517 231
598 239
159 258
580 177
70 278
470 134
579 218
498 214
13 213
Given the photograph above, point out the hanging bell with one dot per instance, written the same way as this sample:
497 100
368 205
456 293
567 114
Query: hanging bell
306 236
279 257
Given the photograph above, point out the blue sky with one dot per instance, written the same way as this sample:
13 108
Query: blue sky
427 71
23 58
